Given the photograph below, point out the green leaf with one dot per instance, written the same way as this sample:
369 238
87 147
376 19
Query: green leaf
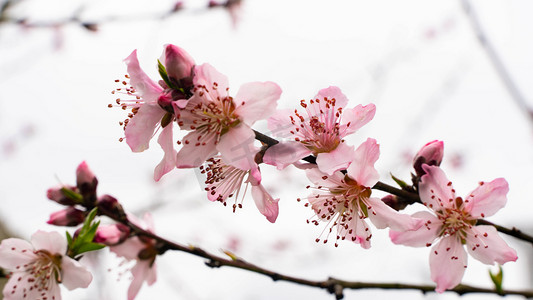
400 182
70 194
164 75
69 239
89 247
497 279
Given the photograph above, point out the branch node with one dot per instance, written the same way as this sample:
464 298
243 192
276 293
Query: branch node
275 277
212 263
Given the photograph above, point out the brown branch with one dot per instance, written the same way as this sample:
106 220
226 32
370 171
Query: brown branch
332 285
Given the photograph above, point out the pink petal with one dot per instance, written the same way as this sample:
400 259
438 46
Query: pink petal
15 252
74 274
355 118
286 153
362 167
266 205
383 216
206 75
139 272
53 242
435 189
338 159
487 198
320 178
166 140
357 232
129 249
423 236
256 101
193 155
280 124
485 244
24 288
331 92
148 89
237 148
447 262
141 127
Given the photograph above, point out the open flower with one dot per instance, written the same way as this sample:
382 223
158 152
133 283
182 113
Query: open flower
345 202
141 250
319 131
153 104
36 269
221 123
225 181
453 226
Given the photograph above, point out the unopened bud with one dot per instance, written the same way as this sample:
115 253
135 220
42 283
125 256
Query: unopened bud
56 194
111 205
86 182
394 202
111 234
430 154
178 63
69 216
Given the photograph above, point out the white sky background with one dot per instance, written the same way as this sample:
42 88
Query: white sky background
418 61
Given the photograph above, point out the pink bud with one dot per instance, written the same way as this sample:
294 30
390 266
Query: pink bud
430 154
110 205
55 194
111 234
69 216
178 63
86 182
394 202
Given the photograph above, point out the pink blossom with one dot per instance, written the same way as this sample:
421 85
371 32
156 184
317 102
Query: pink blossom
111 234
226 181
153 104
141 250
345 202
36 269
319 131
221 123
69 216
453 225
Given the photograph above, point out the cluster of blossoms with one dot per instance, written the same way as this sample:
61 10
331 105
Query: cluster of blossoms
219 140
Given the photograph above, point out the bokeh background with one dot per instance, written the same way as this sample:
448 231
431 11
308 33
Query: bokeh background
420 62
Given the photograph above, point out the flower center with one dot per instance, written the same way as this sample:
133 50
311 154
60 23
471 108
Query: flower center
320 132
223 181
455 219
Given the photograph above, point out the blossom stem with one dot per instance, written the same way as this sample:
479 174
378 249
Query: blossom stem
332 285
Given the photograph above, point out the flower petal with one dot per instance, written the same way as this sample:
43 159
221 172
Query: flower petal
320 178
74 275
139 272
141 127
286 153
129 249
237 147
362 167
15 252
487 198
53 242
383 216
338 159
486 245
215 82
194 154
166 140
330 93
447 262
280 123
355 118
21 286
177 62
423 236
267 205
256 101
140 81
435 189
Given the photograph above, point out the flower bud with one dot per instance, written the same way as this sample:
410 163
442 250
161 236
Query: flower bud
56 194
111 205
86 182
394 202
69 216
178 63
430 154
111 234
